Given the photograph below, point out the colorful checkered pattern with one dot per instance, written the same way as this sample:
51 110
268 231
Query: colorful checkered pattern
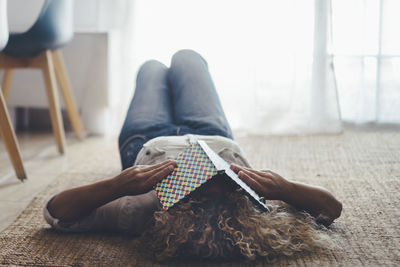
194 169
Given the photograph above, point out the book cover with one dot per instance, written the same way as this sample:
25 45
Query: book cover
197 165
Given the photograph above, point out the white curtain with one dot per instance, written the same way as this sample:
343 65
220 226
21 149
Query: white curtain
116 17
260 55
366 47
280 67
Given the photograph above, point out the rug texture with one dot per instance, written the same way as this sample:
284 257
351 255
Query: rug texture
361 168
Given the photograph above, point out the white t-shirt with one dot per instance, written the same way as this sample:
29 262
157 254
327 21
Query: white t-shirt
131 213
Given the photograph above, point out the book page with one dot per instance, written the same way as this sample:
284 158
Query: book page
222 165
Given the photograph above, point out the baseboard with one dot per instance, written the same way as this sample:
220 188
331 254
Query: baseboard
36 120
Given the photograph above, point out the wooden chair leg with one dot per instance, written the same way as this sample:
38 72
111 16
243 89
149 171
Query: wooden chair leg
52 96
10 140
66 91
7 82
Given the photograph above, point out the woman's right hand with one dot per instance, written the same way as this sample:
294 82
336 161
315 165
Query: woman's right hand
140 179
76 203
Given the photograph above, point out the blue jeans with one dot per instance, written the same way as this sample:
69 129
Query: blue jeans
172 101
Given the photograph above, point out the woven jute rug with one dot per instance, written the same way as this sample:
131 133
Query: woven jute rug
361 168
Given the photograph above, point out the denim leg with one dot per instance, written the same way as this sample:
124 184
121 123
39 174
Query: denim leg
197 108
150 113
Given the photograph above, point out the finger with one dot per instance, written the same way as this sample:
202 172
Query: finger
252 174
236 168
264 173
142 166
150 173
161 164
249 181
140 169
269 172
161 174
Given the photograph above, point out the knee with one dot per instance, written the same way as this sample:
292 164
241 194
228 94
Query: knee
186 55
151 66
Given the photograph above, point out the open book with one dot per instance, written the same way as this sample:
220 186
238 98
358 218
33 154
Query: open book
197 165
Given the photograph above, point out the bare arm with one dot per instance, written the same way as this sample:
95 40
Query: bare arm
76 203
316 200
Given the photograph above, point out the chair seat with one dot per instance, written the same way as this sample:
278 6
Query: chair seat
52 30
30 44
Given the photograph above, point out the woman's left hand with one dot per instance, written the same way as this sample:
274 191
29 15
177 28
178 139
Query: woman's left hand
316 200
266 183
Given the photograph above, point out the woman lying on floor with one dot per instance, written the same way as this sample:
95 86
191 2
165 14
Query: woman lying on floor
172 108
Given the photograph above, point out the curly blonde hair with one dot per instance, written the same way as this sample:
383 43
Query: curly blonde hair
229 227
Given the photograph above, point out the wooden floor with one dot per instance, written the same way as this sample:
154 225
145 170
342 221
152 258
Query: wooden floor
42 163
